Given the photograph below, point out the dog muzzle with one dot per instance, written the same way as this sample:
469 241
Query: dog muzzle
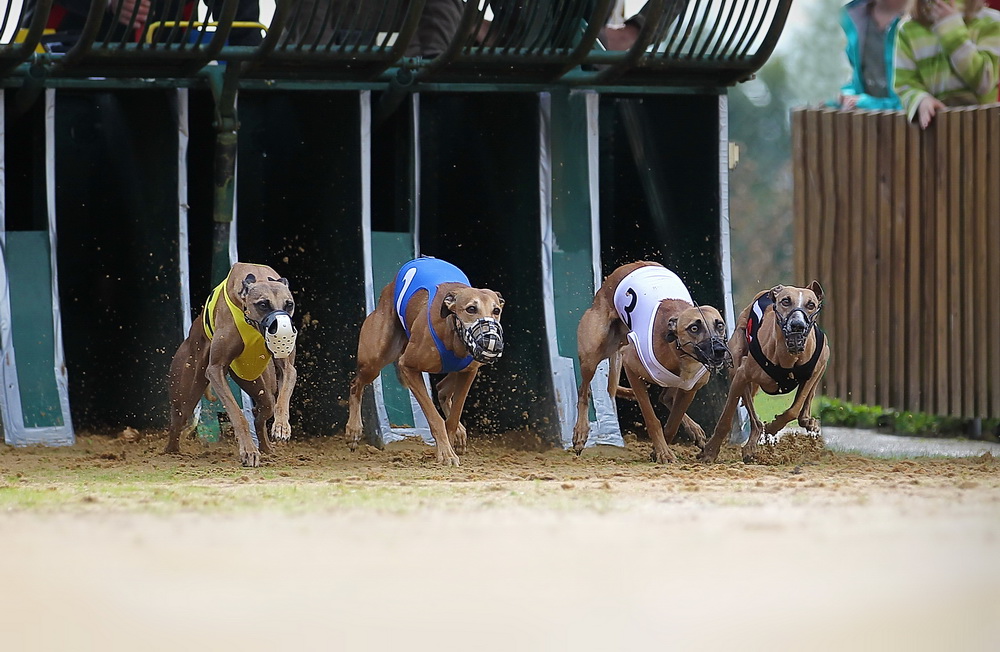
714 354
279 333
483 338
795 329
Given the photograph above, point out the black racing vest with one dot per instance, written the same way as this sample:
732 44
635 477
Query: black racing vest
787 379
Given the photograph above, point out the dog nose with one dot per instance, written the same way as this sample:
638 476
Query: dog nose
797 326
719 350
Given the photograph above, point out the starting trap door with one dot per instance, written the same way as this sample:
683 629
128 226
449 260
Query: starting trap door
35 397
571 253
391 411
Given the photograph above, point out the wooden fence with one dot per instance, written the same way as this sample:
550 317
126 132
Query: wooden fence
902 229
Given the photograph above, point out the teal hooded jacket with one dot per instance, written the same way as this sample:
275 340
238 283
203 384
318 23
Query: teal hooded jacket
856 85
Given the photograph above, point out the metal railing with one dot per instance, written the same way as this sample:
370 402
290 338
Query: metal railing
902 228
681 43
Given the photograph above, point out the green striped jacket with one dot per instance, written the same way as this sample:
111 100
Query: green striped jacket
954 62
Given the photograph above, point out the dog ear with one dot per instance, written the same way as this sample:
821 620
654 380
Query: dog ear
499 298
817 290
447 304
775 291
672 329
247 282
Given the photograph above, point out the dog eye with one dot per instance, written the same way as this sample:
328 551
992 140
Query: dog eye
719 326
471 310
289 306
496 311
693 328
786 301
264 305
810 305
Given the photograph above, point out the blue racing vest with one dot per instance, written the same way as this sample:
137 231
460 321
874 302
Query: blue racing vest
427 273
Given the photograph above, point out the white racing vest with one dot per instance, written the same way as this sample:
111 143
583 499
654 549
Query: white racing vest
637 298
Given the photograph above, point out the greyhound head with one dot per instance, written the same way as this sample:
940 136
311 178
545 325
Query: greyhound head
268 306
700 332
795 310
477 320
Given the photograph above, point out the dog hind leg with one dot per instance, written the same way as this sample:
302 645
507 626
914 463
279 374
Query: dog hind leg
381 341
596 340
187 383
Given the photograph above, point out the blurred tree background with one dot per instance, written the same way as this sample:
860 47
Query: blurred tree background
808 67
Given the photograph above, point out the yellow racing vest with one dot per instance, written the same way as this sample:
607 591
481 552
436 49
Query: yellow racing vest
251 363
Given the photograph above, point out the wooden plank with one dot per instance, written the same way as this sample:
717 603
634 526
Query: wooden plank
918 219
900 324
864 284
981 293
872 300
885 379
992 141
847 174
859 283
815 198
833 155
942 344
973 308
800 224
815 213
956 266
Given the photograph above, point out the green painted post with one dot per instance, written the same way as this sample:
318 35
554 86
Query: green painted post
226 141
28 261
572 258
389 252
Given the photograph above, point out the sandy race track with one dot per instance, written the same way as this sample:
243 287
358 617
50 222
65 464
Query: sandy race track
111 545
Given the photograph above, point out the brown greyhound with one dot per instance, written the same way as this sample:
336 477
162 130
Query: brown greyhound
777 347
244 329
429 319
643 318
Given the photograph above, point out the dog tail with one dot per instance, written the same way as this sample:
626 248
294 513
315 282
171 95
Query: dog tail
209 396
614 373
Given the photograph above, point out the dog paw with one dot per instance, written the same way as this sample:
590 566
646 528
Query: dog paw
281 431
707 455
353 437
172 447
811 424
663 456
460 440
749 452
448 459
250 457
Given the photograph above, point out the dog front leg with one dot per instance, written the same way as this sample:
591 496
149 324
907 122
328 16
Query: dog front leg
749 450
458 390
806 419
725 422
798 409
216 374
414 381
281 429
661 453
